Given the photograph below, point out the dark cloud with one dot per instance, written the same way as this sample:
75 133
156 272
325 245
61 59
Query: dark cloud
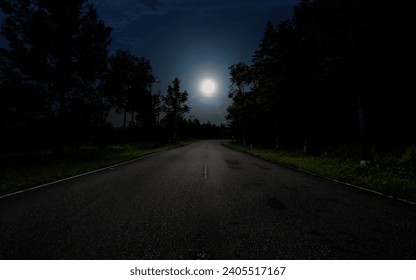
152 4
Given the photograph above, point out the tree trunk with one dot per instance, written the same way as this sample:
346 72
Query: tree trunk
60 129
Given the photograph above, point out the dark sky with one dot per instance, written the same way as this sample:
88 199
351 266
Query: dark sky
193 39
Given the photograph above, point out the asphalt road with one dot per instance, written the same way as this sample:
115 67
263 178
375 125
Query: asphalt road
204 201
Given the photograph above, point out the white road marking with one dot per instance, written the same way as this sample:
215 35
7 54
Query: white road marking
112 167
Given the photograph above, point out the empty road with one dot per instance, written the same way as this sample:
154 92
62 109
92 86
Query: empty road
204 201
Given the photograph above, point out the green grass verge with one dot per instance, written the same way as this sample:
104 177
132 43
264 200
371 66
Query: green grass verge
22 171
388 175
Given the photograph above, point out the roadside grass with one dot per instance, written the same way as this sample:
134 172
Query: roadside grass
19 171
392 175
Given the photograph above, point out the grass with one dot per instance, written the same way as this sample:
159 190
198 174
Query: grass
19 171
391 175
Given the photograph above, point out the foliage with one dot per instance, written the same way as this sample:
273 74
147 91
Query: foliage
381 175
332 75
52 67
58 82
193 128
128 86
175 107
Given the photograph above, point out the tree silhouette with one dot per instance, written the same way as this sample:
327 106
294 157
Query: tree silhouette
157 108
240 112
54 64
175 107
334 73
128 86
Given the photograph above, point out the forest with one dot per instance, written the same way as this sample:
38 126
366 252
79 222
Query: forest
59 82
337 74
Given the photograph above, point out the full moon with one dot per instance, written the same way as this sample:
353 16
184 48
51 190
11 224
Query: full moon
208 87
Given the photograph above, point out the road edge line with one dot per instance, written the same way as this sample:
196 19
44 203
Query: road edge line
79 175
329 179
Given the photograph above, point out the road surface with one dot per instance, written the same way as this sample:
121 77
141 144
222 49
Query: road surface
204 201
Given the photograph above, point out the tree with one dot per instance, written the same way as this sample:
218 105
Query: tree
157 108
54 63
175 107
315 76
128 86
240 112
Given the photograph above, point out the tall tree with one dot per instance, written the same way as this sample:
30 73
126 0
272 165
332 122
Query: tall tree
157 108
128 86
54 63
175 107
317 75
242 110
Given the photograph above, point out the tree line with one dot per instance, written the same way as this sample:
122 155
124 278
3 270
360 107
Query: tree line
336 73
58 81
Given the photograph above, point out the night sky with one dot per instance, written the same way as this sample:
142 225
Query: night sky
192 40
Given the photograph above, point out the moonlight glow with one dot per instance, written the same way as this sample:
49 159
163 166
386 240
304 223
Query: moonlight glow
208 87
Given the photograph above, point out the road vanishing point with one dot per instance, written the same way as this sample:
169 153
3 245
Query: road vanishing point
204 201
